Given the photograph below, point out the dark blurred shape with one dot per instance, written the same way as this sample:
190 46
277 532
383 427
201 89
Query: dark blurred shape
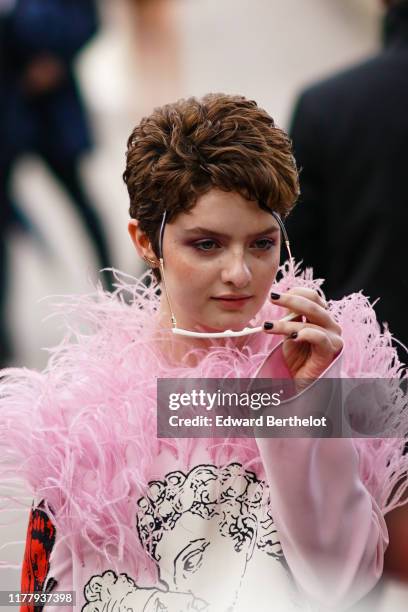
350 136
42 111
396 556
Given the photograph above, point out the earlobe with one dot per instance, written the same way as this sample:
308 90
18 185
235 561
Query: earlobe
141 242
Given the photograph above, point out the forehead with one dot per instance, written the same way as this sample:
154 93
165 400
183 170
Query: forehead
225 211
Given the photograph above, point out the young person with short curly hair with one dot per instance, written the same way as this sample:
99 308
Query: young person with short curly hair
132 520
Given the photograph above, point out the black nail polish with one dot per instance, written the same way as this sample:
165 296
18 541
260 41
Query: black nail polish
293 335
275 296
268 325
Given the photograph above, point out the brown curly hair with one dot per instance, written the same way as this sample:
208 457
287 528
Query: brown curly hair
182 150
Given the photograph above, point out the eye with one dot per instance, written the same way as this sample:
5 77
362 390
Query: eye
190 559
264 244
205 245
194 558
193 561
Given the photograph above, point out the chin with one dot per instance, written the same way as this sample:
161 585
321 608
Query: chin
233 323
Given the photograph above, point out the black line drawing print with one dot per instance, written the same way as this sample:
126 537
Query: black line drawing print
199 527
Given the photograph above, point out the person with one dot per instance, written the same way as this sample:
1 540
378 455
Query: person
130 520
348 134
42 112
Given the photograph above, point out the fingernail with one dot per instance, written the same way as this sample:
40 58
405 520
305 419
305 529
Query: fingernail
293 335
268 325
275 296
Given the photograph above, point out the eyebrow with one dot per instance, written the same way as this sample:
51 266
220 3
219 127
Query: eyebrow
205 230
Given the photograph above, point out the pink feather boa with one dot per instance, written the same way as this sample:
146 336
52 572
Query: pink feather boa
82 433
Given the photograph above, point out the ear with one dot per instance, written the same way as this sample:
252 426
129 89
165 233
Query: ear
140 240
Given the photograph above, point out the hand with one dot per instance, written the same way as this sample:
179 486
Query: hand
310 346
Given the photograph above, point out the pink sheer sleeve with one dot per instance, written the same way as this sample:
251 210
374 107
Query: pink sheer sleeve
332 532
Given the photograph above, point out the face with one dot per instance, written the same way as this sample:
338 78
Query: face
193 564
220 260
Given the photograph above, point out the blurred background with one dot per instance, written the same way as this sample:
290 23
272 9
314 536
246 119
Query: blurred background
62 188
146 53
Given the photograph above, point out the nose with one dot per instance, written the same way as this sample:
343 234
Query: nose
235 270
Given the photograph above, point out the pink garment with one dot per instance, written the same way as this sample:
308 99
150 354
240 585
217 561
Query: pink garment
196 523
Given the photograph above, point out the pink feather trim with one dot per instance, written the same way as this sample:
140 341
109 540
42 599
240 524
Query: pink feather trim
82 433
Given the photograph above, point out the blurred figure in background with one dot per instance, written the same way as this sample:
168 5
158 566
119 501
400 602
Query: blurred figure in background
158 51
5 205
350 136
41 109
350 133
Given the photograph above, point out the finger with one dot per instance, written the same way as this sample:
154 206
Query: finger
318 339
312 294
313 312
289 328
286 328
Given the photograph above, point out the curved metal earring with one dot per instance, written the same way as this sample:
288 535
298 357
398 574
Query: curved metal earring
151 263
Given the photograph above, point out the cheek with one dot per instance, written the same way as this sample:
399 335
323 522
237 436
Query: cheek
186 273
264 274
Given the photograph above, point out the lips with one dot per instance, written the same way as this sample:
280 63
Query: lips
232 297
232 302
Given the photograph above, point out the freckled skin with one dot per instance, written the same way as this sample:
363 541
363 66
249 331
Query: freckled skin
235 255
236 266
